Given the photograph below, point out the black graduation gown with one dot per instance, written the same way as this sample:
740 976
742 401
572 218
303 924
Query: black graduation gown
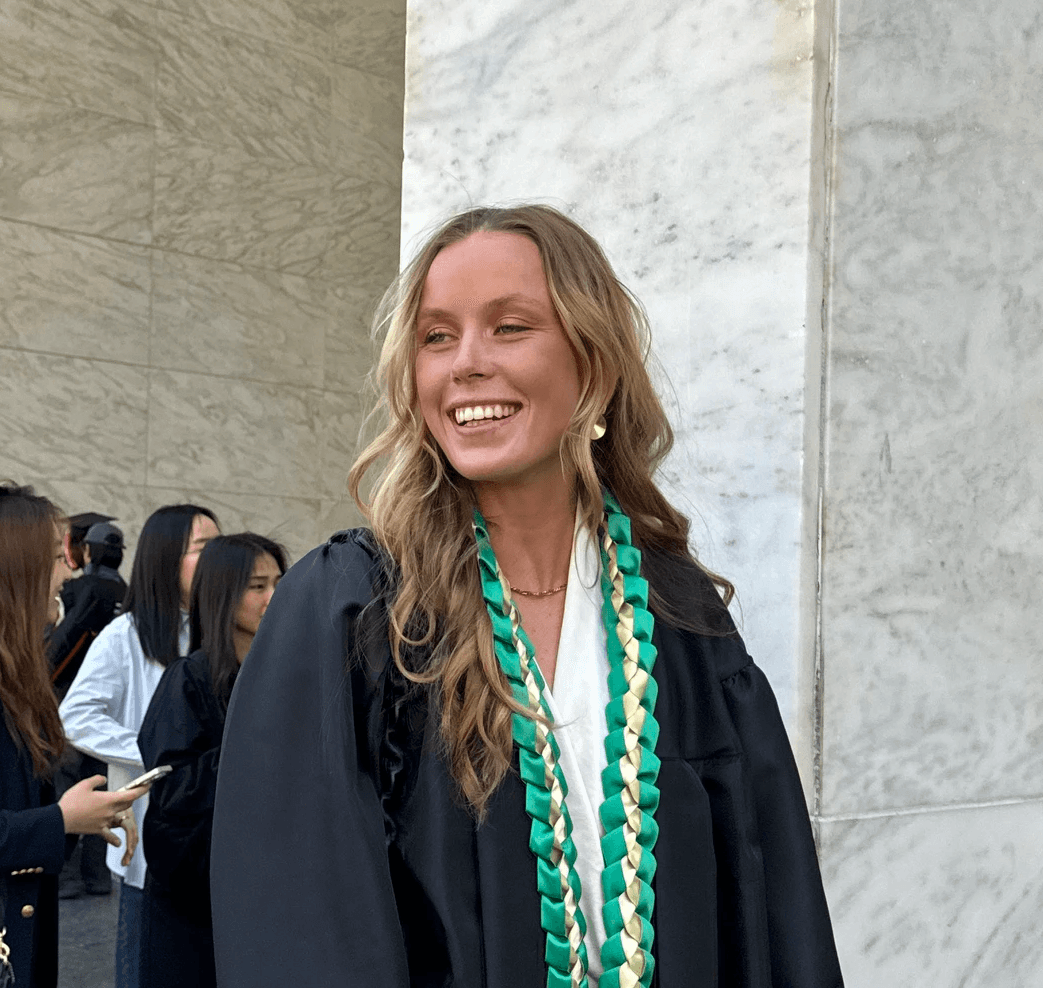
182 728
342 854
32 852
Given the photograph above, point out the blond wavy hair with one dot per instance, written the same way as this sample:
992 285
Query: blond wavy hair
420 509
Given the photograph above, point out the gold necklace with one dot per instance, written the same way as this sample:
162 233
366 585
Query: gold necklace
539 593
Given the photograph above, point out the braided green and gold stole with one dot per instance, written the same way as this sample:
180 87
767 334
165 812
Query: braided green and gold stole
628 783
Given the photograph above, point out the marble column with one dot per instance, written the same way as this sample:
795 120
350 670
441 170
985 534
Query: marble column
931 775
832 217
679 137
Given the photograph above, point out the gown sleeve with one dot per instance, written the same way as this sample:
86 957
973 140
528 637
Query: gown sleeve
300 880
801 945
182 728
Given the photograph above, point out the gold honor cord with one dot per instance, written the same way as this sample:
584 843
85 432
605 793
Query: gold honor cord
550 836
628 782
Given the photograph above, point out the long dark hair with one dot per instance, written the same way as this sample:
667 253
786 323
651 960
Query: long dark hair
222 576
29 529
154 593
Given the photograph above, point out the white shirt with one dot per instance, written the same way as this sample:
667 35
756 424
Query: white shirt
103 711
578 708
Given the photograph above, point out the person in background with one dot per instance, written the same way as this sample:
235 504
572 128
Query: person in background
103 709
234 581
91 602
33 826
79 526
76 530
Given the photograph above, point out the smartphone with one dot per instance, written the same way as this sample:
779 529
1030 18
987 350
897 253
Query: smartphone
148 778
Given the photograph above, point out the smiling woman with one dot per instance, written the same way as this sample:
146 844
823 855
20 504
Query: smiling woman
496 378
489 734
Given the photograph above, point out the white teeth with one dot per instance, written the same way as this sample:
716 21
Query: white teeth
479 413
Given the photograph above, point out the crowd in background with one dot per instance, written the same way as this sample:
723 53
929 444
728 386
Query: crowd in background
102 679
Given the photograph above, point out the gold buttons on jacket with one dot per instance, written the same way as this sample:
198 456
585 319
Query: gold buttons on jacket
28 912
27 871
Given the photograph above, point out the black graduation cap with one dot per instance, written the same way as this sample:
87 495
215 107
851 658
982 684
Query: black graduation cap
78 524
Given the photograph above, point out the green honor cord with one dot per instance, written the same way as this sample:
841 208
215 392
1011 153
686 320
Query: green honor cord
628 781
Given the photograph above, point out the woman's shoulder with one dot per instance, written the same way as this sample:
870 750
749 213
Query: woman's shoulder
686 595
120 628
116 642
183 696
186 670
349 567
328 607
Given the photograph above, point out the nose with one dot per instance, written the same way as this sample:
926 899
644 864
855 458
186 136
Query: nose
471 357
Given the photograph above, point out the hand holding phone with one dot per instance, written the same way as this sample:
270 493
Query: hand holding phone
148 778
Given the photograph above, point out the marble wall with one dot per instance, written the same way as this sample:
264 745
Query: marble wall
199 206
683 148
931 788
831 213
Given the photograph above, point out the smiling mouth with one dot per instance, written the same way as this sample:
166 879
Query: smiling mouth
471 415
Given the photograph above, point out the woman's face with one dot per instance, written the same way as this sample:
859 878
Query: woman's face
203 530
496 378
254 601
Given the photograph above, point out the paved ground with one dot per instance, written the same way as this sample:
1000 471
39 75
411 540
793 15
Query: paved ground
87 941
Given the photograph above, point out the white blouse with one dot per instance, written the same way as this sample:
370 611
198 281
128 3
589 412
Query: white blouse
103 711
578 708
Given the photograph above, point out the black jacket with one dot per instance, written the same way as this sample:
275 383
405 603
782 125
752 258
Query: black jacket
338 828
32 852
91 602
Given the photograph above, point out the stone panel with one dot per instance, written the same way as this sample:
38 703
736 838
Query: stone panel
99 56
949 899
75 170
64 419
68 294
216 318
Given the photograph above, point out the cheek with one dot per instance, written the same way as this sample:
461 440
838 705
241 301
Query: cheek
250 611
188 570
427 394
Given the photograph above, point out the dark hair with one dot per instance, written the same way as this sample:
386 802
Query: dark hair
222 576
29 530
154 592
105 555
79 525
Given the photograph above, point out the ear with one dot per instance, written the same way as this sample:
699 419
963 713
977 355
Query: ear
67 549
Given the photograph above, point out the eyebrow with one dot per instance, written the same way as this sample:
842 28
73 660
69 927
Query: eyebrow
501 302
